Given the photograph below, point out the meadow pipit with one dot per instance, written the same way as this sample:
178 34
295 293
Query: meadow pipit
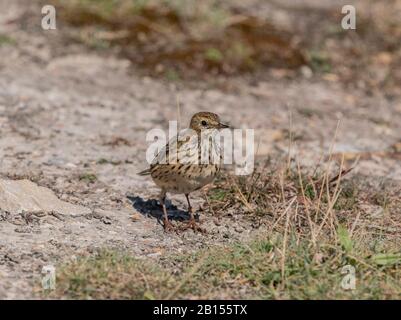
188 162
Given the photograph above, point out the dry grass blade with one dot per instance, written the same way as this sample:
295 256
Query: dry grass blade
289 142
283 251
282 215
308 213
242 197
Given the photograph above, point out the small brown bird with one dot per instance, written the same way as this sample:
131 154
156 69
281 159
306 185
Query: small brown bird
188 162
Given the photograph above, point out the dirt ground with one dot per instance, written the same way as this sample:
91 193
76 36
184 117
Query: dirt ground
75 121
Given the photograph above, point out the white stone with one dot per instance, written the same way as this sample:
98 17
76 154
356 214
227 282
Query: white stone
23 195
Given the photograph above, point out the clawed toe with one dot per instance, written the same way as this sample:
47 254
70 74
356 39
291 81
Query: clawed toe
168 226
191 224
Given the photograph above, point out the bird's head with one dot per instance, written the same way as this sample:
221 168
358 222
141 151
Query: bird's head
206 120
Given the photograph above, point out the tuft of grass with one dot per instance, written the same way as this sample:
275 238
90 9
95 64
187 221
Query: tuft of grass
103 161
172 75
88 177
344 238
348 197
319 61
218 194
110 275
106 161
6 40
214 55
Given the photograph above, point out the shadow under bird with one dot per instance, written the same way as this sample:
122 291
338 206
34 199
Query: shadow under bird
188 162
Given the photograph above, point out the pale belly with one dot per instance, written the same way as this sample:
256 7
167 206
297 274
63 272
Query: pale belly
186 179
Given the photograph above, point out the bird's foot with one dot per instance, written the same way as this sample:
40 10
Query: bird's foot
168 226
191 224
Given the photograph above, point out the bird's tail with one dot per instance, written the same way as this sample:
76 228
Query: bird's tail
144 172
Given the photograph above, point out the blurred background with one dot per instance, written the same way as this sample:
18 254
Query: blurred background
189 39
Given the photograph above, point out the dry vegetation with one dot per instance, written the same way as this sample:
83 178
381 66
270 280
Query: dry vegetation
316 224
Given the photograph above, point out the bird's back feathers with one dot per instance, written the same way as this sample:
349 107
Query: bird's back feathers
184 149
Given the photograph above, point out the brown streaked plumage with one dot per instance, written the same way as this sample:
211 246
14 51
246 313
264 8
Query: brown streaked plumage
178 167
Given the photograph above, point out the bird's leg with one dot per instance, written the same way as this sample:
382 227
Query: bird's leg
190 209
192 223
166 223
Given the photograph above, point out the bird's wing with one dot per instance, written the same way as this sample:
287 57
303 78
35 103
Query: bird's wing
182 148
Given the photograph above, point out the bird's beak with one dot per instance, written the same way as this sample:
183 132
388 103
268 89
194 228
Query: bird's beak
223 126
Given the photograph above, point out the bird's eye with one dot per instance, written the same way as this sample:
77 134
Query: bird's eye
204 123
